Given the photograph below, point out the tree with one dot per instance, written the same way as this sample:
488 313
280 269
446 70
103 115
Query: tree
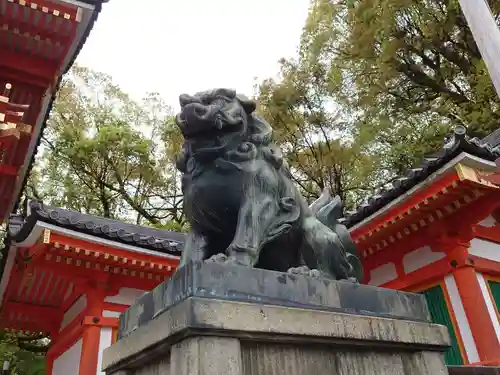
375 86
313 130
25 353
411 69
107 154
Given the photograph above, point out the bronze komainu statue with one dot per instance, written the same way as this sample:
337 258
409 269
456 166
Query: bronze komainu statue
241 202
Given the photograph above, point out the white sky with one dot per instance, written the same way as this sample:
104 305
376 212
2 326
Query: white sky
177 46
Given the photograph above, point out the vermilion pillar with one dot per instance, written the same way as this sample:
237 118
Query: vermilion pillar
474 305
91 332
49 362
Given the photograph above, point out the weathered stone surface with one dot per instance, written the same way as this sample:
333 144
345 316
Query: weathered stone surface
207 356
160 366
196 317
234 283
279 359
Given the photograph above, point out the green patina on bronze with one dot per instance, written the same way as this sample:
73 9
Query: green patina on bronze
241 202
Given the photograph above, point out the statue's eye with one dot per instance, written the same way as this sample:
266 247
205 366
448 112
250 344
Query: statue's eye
220 100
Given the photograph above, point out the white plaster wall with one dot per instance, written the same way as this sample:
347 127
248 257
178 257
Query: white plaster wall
75 309
104 342
420 257
488 222
383 274
125 296
489 303
110 314
485 249
462 322
68 363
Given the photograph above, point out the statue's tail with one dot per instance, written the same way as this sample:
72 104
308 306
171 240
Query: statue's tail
328 210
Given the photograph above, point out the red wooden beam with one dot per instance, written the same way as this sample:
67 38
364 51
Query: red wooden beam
61 10
34 31
82 274
112 251
111 306
412 200
430 273
34 311
64 339
9 170
11 74
486 266
36 67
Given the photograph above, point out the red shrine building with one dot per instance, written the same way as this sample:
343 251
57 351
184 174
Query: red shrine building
70 275
39 40
436 231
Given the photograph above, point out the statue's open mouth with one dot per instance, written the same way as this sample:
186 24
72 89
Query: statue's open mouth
198 121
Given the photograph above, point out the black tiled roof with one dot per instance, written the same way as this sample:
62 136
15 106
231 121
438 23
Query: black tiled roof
158 240
493 139
458 143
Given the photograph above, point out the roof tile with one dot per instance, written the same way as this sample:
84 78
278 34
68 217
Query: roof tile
459 142
159 240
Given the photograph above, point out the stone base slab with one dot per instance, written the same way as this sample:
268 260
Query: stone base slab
216 337
244 284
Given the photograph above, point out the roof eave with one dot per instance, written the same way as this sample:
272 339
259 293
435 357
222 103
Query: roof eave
47 103
36 230
464 158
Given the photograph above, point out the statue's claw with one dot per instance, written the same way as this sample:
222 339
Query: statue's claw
217 258
228 260
304 270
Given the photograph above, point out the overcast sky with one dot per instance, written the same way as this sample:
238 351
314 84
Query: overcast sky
176 46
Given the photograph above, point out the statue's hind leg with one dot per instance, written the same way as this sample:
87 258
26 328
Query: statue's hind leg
331 259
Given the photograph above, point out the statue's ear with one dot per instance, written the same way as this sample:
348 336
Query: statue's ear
248 104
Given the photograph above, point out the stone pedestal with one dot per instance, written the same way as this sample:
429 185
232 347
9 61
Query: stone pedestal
214 320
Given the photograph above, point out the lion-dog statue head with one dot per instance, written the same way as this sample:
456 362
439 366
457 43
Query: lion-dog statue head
240 199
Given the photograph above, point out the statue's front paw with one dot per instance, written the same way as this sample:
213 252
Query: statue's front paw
241 255
229 260
217 258
304 270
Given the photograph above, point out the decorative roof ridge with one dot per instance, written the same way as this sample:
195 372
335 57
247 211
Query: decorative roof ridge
159 240
457 143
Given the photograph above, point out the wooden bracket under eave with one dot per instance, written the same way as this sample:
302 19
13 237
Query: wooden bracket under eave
21 127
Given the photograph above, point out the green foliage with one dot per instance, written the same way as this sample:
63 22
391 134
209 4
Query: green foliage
376 84
109 155
410 68
173 226
374 87
26 354
103 153
312 131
